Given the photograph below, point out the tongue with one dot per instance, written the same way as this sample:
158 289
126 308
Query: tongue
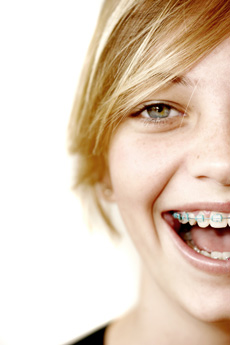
211 239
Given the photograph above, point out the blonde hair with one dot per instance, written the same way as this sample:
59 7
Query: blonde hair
138 47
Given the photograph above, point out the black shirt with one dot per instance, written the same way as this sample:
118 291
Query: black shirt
96 338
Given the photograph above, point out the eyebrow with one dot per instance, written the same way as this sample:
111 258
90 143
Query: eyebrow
185 81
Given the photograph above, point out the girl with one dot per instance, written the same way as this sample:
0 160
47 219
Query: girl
151 126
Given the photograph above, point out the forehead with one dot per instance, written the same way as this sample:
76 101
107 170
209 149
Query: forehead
213 67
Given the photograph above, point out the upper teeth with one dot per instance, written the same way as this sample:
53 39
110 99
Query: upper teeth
216 219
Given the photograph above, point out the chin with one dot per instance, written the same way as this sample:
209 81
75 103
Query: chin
212 309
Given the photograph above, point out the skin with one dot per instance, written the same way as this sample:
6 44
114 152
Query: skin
154 168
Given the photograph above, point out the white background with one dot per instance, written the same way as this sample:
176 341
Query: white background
56 279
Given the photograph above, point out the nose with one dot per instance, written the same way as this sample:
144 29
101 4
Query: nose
209 157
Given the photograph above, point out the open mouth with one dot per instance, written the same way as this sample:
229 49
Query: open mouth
206 233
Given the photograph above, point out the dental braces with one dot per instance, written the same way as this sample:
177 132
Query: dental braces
217 218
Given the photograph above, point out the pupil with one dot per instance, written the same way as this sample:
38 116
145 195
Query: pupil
159 108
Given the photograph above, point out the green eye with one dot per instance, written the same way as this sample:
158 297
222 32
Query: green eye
157 111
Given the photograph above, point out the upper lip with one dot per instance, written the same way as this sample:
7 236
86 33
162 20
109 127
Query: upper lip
204 206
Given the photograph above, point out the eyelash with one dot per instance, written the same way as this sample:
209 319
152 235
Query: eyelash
161 120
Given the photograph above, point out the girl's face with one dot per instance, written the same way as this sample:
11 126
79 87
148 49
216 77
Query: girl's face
174 157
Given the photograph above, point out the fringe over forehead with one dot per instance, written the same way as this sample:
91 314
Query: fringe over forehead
138 46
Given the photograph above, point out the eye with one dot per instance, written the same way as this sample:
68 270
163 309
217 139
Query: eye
159 111
160 116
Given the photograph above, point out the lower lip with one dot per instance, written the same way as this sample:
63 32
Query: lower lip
199 261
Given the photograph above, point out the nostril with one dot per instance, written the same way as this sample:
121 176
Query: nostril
216 168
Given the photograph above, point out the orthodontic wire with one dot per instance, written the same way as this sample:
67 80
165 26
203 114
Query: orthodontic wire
215 218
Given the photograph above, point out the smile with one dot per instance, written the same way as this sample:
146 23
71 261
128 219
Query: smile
203 237
214 220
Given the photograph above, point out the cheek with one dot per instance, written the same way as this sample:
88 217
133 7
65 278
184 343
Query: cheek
140 168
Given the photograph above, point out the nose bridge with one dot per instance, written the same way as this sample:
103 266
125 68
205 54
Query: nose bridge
211 149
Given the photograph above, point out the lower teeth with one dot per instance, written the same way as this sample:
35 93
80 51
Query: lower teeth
214 255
